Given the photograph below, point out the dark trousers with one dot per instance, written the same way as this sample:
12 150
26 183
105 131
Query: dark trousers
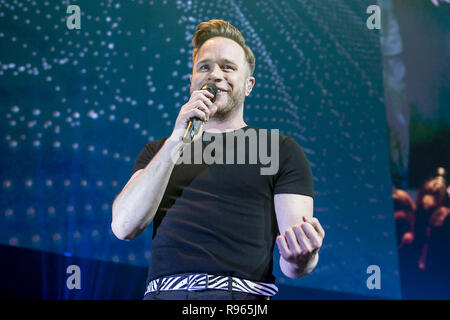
202 295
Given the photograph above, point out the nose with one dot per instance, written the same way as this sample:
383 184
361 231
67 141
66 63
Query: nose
216 74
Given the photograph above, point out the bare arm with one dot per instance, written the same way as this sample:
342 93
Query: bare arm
301 235
136 205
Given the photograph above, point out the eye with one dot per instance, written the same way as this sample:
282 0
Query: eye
204 67
227 66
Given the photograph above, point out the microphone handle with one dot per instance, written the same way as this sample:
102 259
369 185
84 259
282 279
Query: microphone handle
192 129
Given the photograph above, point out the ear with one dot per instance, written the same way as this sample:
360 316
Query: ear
249 85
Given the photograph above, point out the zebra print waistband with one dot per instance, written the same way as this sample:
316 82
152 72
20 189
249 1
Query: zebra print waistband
203 281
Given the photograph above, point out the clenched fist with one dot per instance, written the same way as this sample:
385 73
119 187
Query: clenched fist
300 243
199 106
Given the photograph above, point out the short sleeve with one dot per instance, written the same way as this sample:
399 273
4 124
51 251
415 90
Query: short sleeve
147 154
295 175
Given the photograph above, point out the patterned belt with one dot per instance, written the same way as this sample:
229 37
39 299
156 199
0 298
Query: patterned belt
203 281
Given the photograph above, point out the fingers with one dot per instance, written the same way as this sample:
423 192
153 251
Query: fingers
201 114
200 99
283 248
316 224
301 239
292 241
204 92
201 106
312 235
188 110
203 95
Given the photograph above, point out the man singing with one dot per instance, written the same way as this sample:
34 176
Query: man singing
215 224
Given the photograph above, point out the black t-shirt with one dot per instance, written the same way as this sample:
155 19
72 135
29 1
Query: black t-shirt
220 218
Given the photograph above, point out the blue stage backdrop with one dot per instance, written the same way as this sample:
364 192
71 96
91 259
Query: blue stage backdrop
77 107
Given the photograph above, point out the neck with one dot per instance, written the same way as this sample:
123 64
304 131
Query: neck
233 123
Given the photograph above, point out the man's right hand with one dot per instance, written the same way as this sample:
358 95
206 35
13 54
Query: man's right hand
200 106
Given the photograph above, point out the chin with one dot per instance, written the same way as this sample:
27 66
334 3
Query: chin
222 98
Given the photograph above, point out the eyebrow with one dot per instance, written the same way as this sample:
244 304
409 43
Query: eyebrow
222 60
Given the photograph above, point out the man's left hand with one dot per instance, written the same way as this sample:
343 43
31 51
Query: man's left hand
300 244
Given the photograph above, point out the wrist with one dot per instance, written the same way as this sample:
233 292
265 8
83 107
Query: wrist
297 270
174 148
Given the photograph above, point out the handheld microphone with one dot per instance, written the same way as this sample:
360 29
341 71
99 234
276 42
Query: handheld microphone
194 124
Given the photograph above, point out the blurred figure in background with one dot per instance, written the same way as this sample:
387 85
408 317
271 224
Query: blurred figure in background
423 238
432 238
404 209
432 196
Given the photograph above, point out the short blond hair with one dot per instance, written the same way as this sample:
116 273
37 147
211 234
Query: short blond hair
221 28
